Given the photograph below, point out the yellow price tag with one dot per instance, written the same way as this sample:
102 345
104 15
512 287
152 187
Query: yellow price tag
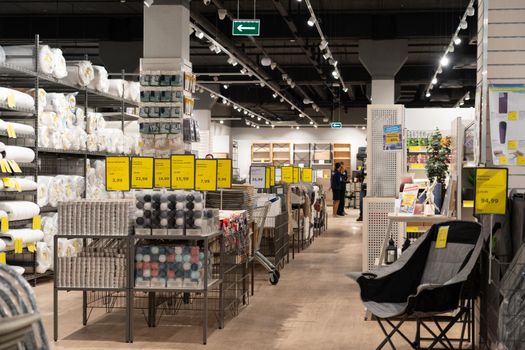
19 246
4 166
117 174
141 172
392 139
14 166
183 172
206 174
11 131
513 116
503 160
224 173
408 200
491 191
513 144
287 174
31 247
162 173
2 258
4 224
11 102
307 175
267 178
520 160
8 182
17 186
37 222
272 176
415 149
468 204
412 229
417 166
441 240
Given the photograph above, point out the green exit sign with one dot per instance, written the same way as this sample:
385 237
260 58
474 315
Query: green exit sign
246 27
336 125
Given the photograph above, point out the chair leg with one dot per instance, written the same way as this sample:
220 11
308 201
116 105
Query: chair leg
444 334
429 330
395 329
387 337
445 330
411 343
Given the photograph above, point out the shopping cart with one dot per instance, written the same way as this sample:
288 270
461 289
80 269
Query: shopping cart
259 215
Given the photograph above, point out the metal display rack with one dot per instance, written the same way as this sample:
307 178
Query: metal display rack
51 161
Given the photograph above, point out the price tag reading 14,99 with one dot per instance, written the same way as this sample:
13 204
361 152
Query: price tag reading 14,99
491 191
162 173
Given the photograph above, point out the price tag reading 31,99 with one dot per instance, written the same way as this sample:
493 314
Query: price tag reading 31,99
491 191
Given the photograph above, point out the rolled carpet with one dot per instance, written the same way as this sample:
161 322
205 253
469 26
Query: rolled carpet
22 56
19 210
79 73
18 154
24 184
23 234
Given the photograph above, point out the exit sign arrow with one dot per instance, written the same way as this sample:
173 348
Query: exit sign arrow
246 27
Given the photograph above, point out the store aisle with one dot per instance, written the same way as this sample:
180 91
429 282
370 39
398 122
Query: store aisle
315 306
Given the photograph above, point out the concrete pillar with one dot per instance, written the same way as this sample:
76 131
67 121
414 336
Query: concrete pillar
383 59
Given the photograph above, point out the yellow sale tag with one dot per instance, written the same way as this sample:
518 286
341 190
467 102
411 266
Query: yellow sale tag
37 222
224 173
19 246
3 165
11 131
417 166
491 191
287 174
17 186
206 174
117 174
141 172
11 102
14 166
415 149
503 160
2 258
392 139
468 204
267 178
8 182
520 160
513 144
296 174
513 116
408 200
272 176
183 172
31 247
307 175
441 240
162 173
412 229
4 224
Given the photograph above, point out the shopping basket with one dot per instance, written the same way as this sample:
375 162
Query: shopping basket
259 218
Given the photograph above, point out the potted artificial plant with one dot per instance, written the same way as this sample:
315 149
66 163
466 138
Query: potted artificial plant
438 150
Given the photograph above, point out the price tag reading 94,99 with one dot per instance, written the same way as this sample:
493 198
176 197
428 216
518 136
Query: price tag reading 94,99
491 191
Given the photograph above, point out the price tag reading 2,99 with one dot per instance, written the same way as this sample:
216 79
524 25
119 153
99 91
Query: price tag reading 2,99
206 174
162 173
117 174
141 173
491 191
183 172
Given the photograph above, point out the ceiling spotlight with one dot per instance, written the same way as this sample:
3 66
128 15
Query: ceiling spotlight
461 103
226 86
315 126
332 62
427 94
275 95
289 81
335 74
451 48
317 109
221 122
282 99
301 115
299 0
457 40
198 33
250 73
262 84
148 3
218 49
444 61
323 45
291 108
123 1
434 81
206 2
292 85
267 122
273 65
245 112
307 101
327 55
467 96
222 13
252 116
325 120
257 126
345 89
224 101
231 61
259 118
266 61
440 70
244 71
311 21
273 126
212 95
311 122
297 128
247 122
470 11
212 47
363 128
463 24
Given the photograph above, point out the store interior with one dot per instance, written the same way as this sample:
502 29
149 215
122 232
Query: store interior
272 174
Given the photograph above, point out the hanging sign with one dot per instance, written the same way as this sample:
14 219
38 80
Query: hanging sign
267 179
206 174
224 173
258 176
272 176
246 27
287 174
117 174
296 174
307 175
336 125
141 173
491 191
392 137
183 172
162 173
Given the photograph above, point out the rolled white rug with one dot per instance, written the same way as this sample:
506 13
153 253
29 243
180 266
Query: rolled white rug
24 184
116 87
44 257
18 154
22 56
19 210
24 234
43 190
20 129
101 81
79 73
59 69
42 98
21 100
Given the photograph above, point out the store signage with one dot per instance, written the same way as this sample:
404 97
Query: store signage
162 173
206 174
336 125
267 178
224 173
117 174
246 27
141 173
307 175
287 174
183 172
296 174
272 176
491 191
258 176
392 139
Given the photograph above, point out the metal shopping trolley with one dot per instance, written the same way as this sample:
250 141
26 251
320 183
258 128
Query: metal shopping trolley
259 219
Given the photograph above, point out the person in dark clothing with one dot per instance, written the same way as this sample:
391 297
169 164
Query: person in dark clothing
361 177
336 183
344 177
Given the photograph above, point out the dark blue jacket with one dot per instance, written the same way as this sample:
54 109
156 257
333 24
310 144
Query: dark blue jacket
336 181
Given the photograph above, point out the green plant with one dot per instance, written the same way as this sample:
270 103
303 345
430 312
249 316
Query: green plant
439 152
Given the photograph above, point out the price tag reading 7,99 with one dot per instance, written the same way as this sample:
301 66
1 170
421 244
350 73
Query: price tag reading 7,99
491 191
224 173
183 172
206 174
141 172
162 173
117 174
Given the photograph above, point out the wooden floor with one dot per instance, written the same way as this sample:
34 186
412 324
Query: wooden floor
314 306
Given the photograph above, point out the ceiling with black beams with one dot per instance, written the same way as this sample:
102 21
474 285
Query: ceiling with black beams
96 27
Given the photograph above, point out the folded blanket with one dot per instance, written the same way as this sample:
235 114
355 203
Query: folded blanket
22 56
18 154
19 210
116 87
24 184
59 68
16 99
101 81
132 91
20 129
24 234
79 73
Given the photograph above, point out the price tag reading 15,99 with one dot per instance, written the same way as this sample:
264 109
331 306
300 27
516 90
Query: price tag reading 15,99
491 191
183 172
206 174
117 174
141 172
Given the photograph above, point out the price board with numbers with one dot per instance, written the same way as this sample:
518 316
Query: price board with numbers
272 176
141 173
306 175
183 171
224 173
258 176
117 174
491 191
162 173
296 174
287 174
206 174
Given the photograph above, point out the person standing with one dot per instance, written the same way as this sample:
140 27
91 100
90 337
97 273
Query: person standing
336 182
344 177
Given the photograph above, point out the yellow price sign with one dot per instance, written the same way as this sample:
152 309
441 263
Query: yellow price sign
206 174
8 182
392 139
520 160
296 174
267 181
117 174
183 172
513 116
512 144
287 174
491 191
3 258
4 224
272 176
307 175
37 222
11 101
224 173
19 246
14 166
10 131
162 173
414 149
31 247
408 200
503 160
141 172
4 166
441 239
